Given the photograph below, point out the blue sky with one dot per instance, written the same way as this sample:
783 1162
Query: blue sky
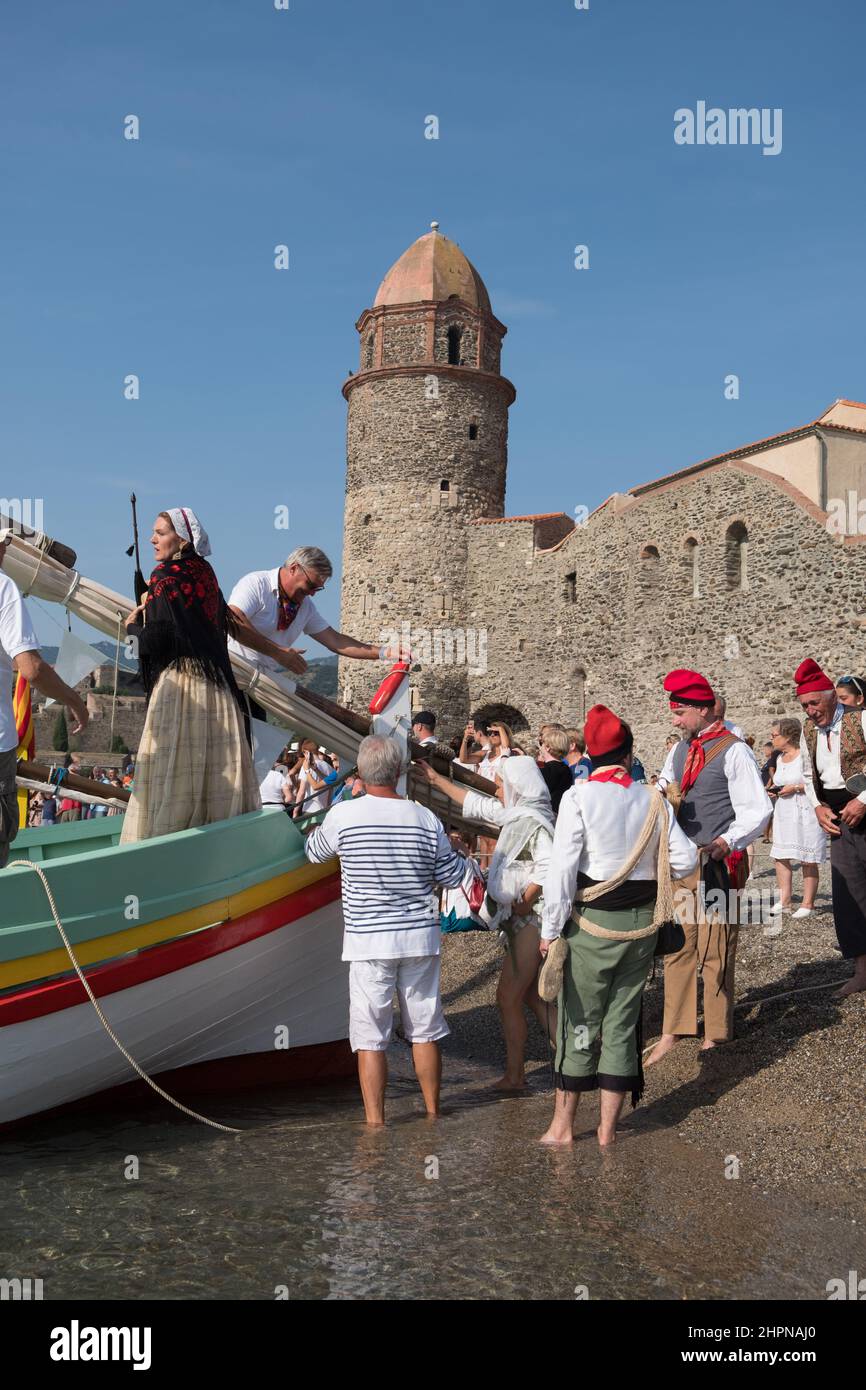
306 127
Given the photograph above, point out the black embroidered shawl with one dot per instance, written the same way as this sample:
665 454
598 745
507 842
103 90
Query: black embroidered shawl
186 624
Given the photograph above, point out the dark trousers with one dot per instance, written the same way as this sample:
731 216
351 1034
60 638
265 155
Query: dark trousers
848 866
8 803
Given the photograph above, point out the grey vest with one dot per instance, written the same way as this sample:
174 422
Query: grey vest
706 810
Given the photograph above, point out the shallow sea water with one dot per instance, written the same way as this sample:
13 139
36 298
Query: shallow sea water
308 1204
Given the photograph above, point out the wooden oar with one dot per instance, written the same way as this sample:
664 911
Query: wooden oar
41 772
55 549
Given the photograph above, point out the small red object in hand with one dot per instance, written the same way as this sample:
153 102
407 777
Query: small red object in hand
389 687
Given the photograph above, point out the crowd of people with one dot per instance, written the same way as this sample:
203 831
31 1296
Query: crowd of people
567 850
596 870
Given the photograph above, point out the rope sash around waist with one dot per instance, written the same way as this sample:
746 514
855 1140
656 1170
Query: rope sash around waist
607 935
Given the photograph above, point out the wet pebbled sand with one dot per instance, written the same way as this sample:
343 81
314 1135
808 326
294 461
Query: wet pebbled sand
787 1099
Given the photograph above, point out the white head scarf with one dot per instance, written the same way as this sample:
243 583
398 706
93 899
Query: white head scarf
525 791
189 528
527 809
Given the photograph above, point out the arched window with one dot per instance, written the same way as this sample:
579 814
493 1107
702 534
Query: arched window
473 431
736 556
690 565
503 714
569 587
454 336
369 348
578 684
649 572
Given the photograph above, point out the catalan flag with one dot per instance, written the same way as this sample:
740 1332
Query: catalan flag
22 705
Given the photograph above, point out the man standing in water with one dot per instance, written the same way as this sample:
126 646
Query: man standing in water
393 853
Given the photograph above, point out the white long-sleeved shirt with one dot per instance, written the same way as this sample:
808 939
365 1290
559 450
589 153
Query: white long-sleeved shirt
751 805
827 751
596 830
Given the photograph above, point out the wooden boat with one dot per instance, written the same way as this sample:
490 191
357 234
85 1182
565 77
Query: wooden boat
215 945
214 952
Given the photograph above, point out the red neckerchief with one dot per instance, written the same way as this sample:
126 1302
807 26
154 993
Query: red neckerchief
288 610
696 755
611 774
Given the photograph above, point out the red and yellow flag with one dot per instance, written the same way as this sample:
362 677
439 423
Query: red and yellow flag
22 705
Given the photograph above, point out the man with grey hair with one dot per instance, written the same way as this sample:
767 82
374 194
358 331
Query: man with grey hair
392 854
273 608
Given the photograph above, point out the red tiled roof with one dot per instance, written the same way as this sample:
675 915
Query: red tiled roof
858 405
798 432
532 516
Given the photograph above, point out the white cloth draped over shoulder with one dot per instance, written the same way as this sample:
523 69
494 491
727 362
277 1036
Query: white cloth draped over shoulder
522 851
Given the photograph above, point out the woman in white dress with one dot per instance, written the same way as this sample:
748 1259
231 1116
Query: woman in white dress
797 836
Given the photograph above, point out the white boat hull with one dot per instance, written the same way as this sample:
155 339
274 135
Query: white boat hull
287 989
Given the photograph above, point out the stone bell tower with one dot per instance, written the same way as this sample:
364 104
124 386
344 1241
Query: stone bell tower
426 453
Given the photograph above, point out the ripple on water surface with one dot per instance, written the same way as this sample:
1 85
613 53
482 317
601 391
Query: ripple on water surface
308 1200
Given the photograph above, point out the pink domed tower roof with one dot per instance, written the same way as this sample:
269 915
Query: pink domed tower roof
433 268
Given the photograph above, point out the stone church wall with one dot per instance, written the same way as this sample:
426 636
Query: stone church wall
557 646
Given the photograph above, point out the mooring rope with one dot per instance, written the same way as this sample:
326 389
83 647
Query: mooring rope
28 864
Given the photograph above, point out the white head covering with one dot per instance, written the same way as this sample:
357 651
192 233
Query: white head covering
189 528
527 810
525 791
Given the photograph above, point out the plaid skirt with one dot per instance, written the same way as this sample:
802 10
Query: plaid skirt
193 765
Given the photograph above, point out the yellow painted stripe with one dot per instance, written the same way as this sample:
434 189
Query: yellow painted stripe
220 910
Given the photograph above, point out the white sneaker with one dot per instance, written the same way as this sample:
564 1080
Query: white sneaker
773 931
777 908
801 913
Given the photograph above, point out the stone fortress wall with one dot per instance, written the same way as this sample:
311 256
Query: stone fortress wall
732 566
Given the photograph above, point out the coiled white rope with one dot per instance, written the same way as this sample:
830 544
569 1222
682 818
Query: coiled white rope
28 864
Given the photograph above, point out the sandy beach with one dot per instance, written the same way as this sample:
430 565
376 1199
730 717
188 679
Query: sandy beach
785 1098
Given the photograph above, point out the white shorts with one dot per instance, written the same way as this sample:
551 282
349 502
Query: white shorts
371 994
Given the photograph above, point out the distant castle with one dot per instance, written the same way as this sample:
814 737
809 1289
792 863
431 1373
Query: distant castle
739 565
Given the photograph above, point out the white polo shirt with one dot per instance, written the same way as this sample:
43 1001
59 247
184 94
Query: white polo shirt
257 595
16 636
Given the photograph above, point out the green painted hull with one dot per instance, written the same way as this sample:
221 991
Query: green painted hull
99 885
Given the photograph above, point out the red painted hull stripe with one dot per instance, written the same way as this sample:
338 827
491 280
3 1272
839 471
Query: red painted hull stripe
154 961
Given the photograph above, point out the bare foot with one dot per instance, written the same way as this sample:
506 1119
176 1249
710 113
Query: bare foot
508 1084
666 1043
852 986
707 1044
606 1137
555 1140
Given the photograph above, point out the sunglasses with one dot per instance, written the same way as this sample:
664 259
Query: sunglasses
493 733
313 587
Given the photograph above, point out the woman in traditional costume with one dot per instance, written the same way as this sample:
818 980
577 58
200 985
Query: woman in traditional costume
515 881
194 764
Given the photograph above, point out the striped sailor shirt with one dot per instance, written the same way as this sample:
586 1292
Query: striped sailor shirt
392 855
